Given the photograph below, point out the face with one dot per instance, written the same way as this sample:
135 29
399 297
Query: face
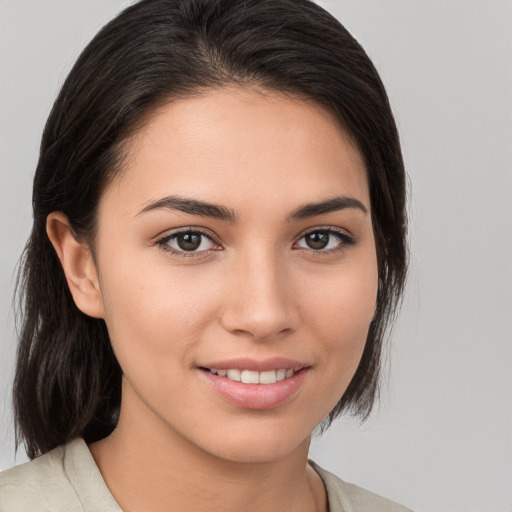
237 243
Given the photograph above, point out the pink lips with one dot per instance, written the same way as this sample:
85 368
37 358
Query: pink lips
256 396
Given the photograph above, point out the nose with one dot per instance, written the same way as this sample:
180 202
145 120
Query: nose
261 302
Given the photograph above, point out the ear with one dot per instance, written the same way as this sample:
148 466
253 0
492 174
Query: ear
78 265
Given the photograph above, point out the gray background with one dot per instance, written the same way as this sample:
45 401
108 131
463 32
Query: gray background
441 438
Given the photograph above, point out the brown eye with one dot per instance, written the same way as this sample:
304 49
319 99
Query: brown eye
323 240
317 240
187 242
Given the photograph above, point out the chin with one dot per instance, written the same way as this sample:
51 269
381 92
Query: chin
257 445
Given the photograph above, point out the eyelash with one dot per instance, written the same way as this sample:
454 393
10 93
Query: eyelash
163 242
345 240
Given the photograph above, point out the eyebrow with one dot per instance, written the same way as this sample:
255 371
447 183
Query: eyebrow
330 205
192 206
205 209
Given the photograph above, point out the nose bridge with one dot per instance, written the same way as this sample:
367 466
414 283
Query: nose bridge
261 295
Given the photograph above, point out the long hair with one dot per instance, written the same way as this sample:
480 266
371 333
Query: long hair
68 382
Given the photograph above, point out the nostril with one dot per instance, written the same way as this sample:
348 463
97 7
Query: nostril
259 324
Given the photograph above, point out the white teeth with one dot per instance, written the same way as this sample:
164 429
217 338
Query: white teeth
253 377
249 377
268 377
280 374
233 375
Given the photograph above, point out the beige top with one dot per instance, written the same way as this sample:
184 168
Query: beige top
67 479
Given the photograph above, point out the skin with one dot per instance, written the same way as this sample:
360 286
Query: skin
257 291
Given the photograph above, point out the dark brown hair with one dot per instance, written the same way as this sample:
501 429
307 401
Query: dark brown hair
68 381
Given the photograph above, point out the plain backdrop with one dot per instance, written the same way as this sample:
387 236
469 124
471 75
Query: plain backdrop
441 439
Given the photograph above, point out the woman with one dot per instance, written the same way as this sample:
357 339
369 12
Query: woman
218 246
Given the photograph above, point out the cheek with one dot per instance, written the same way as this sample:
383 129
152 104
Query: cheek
155 322
343 301
339 314
159 317
152 315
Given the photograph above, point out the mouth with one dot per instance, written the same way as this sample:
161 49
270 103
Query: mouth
255 377
252 384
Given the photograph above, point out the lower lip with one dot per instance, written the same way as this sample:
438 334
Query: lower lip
255 396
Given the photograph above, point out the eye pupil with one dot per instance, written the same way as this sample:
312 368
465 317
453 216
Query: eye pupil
317 240
189 241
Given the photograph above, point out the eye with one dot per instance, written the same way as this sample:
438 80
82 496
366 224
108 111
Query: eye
189 241
325 240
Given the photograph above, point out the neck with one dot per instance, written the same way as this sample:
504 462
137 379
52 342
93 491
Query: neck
148 467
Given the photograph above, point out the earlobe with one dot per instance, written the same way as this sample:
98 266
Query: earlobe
78 265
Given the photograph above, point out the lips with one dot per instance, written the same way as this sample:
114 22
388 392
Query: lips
251 384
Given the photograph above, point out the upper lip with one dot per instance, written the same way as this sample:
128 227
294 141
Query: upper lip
263 365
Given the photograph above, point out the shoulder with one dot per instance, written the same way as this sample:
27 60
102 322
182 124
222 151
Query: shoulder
39 485
345 497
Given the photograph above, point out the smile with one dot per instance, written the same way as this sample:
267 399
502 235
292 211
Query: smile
253 389
254 377
250 383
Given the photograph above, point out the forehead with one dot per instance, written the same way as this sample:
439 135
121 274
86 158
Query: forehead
232 145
